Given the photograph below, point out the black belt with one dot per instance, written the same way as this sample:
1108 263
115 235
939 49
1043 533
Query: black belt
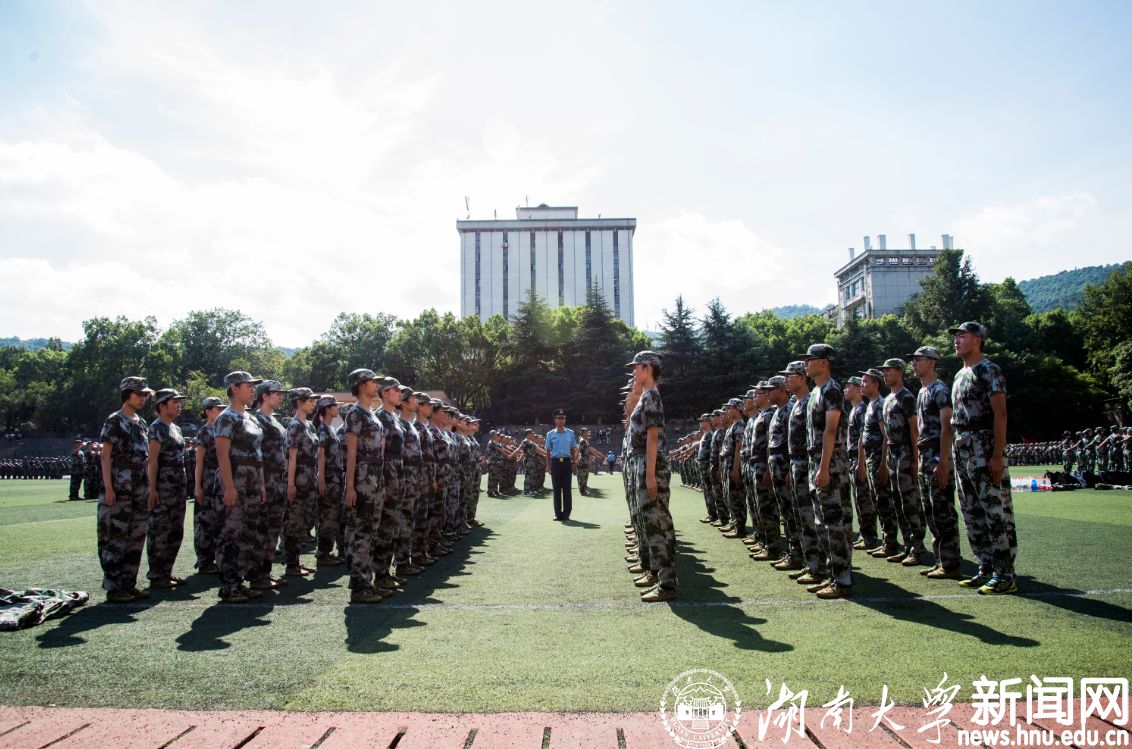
392 456
412 462
128 463
779 450
170 464
374 461
254 462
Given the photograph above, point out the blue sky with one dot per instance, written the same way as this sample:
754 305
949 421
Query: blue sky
293 161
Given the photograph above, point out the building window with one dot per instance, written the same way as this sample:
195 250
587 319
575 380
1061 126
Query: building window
477 273
589 268
506 275
561 272
532 259
616 276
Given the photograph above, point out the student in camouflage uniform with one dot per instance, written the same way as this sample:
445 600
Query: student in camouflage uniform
77 465
703 450
394 515
862 496
778 454
586 456
764 507
475 474
122 511
166 490
269 397
302 478
364 495
933 422
900 459
412 481
239 456
813 547
978 417
533 457
652 476
208 505
426 503
871 455
829 471
722 507
496 456
729 468
93 475
443 418
331 469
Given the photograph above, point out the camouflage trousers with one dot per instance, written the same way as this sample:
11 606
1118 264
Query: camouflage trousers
297 518
76 485
814 550
208 516
438 513
905 495
166 523
939 509
583 472
330 519
530 477
271 518
659 534
495 478
722 507
709 500
412 487
122 529
988 509
422 513
475 481
779 466
453 511
734 496
361 524
833 507
238 545
765 515
629 467
866 508
394 523
882 501
91 488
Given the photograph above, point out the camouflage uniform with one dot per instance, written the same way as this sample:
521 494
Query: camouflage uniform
92 475
494 467
862 495
239 550
988 509
899 406
122 528
778 451
732 490
475 479
330 505
703 459
361 520
656 520
722 506
764 507
78 467
939 504
814 548
302 437
394 514
872 439
422 515
208 509
629 464
531 462
832 503
413 490
166 527
444 451
271 515
583 465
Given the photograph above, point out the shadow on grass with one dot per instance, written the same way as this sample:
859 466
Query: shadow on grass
90 618
699 586
368 626
208 630
580 524
890 599
1071 599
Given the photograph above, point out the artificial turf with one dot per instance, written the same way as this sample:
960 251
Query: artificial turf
530 614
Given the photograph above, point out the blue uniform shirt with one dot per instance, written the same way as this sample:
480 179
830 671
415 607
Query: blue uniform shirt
559 444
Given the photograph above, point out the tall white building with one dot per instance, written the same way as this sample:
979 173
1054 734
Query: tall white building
549 249
879 280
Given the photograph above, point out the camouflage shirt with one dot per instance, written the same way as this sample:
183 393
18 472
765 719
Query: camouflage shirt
583 453
424 435
494 453
171 445
530 457
828 397
129 440
970 396
245 449
929 401
760 440
333 457
704 453
717 445
780 426
649 412
730 439
872 434
856 426
796 432
301 436
899 406
363 423
206 440
394 434
411 452
274 445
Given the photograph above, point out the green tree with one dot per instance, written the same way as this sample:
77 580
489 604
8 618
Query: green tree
683 356
951 294
1104 319
215 341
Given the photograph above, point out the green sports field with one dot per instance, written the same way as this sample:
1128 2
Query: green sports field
529 614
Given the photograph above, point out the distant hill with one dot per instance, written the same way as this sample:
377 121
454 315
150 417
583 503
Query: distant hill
790 311
1064 289
31 344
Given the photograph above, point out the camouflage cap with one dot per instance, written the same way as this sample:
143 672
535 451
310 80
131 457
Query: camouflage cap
359 376
705 417
874 373
733 403
778 381
137 384
300 394
717 412
854 381
239 377
268 386
927 352
528 431
166 394
211 402
422 398
753 392
970 326
644 357
818 351
794 368
493 433
326 401
894 363
406 392
389 383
